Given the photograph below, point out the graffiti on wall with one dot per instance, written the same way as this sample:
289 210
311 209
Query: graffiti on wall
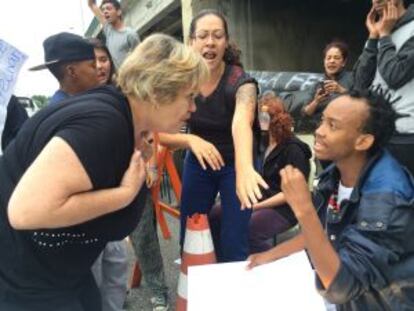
284 81
296 90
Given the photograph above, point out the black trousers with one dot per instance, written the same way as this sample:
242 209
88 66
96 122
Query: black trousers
86 298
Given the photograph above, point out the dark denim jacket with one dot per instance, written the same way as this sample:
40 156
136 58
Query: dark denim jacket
374 236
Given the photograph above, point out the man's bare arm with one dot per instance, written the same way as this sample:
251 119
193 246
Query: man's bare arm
96 11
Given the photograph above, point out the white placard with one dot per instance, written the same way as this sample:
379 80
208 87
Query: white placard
11 61
286 284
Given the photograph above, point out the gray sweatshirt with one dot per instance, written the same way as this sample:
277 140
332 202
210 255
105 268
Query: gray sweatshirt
389 62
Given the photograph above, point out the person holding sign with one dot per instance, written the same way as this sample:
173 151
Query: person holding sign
358 228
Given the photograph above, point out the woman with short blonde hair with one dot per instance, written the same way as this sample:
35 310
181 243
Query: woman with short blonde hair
160 77
71 179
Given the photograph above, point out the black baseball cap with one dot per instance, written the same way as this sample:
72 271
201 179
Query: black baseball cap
64 47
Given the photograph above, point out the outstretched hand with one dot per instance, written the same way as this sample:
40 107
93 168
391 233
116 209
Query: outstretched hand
248 183
206 153
259 259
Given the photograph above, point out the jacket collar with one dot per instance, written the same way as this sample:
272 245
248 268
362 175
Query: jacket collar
329 178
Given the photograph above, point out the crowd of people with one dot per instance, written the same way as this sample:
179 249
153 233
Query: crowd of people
92 149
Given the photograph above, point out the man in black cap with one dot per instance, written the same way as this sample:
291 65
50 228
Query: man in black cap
71 59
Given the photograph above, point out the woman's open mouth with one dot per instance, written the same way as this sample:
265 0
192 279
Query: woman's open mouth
209 55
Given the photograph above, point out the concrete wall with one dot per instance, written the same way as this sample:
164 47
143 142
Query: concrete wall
274 35
290 35
144 14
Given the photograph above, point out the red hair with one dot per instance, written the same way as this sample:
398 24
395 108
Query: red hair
280 127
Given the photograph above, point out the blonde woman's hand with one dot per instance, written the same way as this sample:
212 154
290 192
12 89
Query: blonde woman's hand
134 177
248 183
206 153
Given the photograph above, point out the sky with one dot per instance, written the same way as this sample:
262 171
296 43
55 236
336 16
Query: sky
26 23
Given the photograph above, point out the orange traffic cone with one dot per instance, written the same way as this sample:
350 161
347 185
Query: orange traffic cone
198 250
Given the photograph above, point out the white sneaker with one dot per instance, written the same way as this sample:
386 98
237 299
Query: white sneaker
159 303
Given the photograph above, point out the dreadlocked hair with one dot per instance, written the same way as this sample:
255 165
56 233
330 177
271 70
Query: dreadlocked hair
381 119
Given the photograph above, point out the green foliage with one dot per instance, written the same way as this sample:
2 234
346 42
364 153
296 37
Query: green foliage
40 100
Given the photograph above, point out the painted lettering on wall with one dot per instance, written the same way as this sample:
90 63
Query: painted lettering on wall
284 81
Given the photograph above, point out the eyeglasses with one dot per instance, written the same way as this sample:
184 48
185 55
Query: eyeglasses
215 35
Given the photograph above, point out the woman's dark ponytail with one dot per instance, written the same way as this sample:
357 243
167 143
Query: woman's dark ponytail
232 55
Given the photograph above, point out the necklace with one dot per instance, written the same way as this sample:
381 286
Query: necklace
146 145
333 202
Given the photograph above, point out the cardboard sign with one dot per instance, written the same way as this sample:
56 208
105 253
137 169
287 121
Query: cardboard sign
11 61
286 284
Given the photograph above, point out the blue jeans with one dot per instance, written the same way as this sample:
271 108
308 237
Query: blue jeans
199 191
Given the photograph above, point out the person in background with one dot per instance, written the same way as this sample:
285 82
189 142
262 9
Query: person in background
336 80
120 39
264 118
264 121
272 215
16 115
221 139
104 64
71 180
147 248
71 60
111 268
357 230
388 60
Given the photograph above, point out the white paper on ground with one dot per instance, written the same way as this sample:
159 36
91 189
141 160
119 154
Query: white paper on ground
286 284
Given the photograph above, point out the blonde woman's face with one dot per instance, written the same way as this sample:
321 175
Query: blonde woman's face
210 40
171 117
